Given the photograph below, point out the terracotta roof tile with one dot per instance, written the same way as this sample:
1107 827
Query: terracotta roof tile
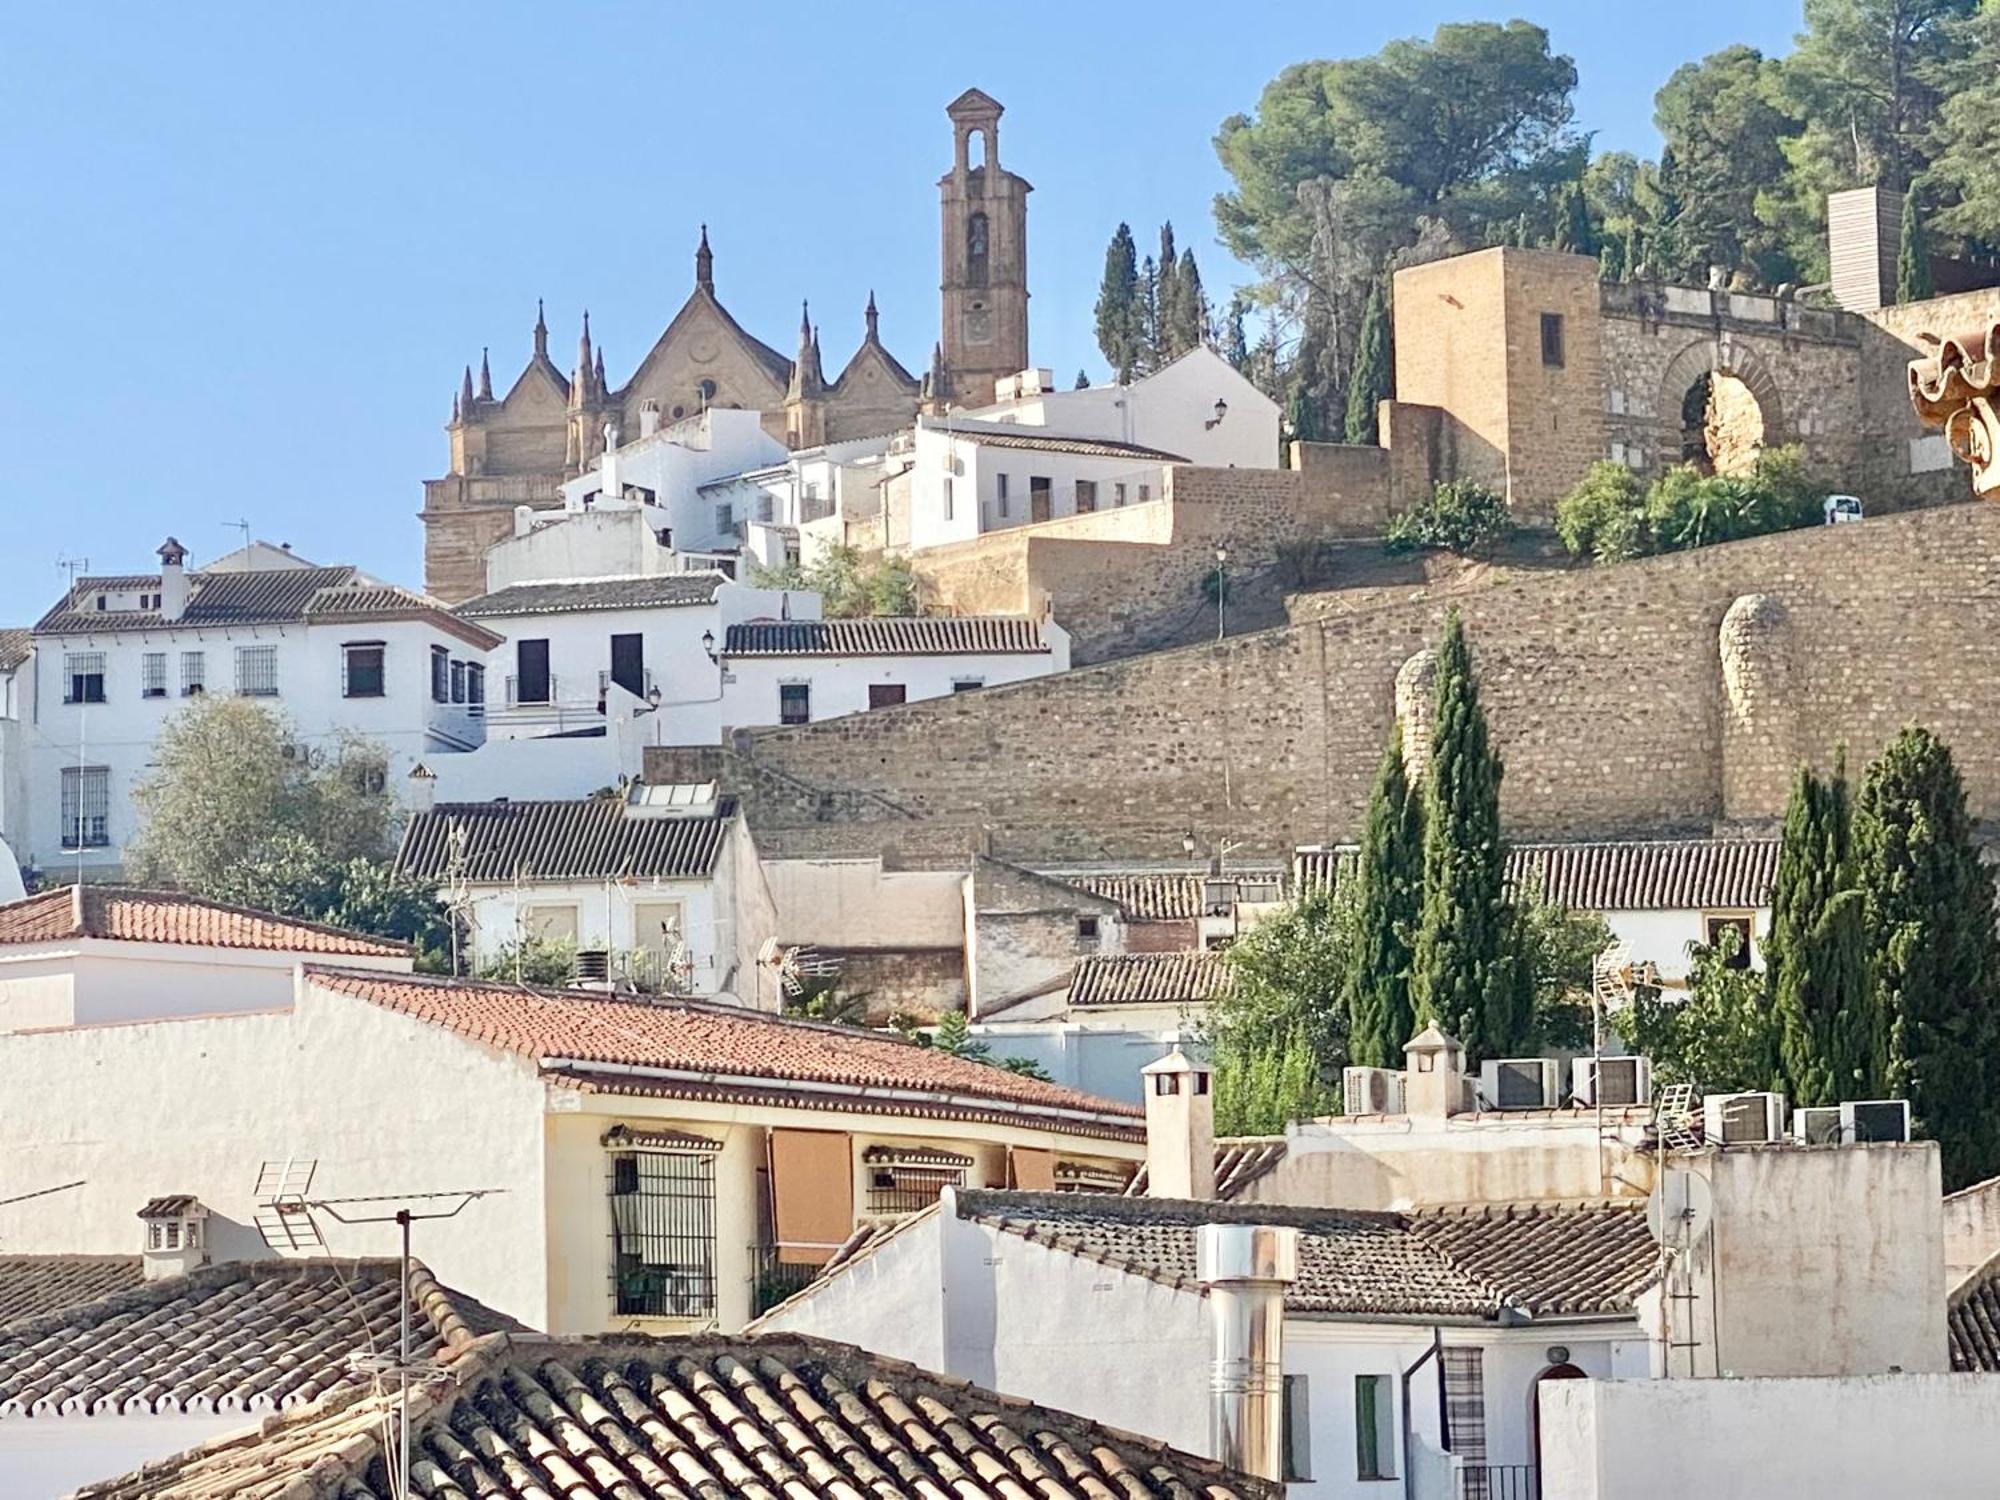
1146 895
275 596
129 914
32 1285
1616 874
1238 1163
247 1336
655 591
1972 1320
903 635
648 1419
702 1040
592 838
1149 979
1051 443
14 648
1549 1258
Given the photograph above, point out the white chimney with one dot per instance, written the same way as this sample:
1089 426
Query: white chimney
1244 1270
1180 1128
173 580
649 418
607 466
175 1236
423 788
524 519
1433 1074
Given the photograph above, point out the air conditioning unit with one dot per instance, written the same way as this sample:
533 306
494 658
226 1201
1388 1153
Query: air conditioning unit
1875 1120
1626 1081
1818 1125
1371 1091
1743 1119
1521 1083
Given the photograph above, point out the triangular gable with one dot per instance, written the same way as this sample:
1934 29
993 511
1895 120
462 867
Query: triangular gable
702 311
1001 888
539 390
871 354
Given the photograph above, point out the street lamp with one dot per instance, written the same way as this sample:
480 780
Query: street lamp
708 643
1221 585
1221 411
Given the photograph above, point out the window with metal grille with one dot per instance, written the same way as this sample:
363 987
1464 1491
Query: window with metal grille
1086 496
86 807
194 673
153 675
458 682
662 1234
440 675
794 703
256 671
83 677
475 683
903 1181
361 670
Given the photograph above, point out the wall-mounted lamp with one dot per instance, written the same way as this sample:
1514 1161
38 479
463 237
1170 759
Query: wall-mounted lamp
1221 411
1188 844
708 643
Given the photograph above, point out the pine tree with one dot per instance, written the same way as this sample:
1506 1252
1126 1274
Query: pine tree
1833 1040
1913 254
1368 386
1118 305
1461 974
1931 921
1082 381
1188 325
1388 907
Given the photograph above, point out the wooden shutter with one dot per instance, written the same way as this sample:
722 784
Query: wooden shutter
812 1194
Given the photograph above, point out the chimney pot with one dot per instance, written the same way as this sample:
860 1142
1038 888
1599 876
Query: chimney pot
1244 1270
173 580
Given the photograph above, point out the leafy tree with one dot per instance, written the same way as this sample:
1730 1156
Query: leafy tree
1721 1037
824 999
1388 906
850 586
1118 318
1832 1035
546 961
1964 176
1611 261
1552 952
1461 974
231 786
1369 385
1460 516
1913 254
953 1035
1725 134
1263 1084
1931 921
1604 517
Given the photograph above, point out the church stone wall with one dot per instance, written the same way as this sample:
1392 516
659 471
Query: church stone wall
1607 691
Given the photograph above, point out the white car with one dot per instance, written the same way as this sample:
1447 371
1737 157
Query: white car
1841 509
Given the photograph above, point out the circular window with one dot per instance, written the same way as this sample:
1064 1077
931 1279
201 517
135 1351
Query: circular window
706 390
679 412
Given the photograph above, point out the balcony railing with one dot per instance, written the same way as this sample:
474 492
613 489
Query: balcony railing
1495 1482
551 692
781 1269
645 686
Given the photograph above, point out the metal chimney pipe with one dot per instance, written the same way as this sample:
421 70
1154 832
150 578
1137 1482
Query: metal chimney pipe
1244 1269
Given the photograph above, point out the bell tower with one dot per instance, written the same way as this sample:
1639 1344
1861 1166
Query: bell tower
985 260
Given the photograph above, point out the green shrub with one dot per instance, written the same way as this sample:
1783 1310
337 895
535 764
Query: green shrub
1460 517
1604 517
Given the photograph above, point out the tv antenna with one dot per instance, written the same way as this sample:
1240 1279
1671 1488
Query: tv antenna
282 1215
795 965
70 566
1674 1120
1678 1214
242 526
405 1213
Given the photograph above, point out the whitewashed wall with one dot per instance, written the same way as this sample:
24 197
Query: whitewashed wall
839 684
44 1456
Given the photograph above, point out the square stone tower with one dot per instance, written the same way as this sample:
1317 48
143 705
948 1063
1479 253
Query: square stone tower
1508 344
985 255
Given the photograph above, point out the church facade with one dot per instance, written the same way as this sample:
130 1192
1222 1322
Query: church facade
518 448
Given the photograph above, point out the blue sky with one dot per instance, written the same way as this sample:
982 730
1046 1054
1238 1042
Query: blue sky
248 248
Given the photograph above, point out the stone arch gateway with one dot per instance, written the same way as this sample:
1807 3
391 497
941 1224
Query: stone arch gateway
1721 382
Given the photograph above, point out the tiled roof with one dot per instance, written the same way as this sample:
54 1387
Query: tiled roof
1083 447
1238 1163
1586 1258
1145 895
593 838
247 1336
903 635
1972 1320
1619 874
657 591
14 648
705 1042
32 1285
267 596
633 1418
123 913
1149 979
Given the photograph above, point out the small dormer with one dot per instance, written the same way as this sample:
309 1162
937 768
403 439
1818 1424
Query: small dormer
684 799
175 1235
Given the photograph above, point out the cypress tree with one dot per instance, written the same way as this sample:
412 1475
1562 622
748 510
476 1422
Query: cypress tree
1931 921
1368 385
1388 906
1118 305
1146 324
1634 247
1611 261
1082 381
1235 345
1913 253
1188 325
1461 978
1573 228
1166 298
1832 1036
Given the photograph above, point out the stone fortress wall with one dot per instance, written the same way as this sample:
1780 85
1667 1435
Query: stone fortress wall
1668 696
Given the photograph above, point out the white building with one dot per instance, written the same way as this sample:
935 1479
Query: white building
94 955
1197 405
663 882
969 478
817 498
16 679
1659 896
336 652
802 671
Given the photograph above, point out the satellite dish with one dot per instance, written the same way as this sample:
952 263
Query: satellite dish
1679 1210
